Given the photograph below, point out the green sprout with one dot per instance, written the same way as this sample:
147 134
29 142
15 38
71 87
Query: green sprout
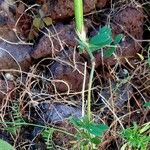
136 137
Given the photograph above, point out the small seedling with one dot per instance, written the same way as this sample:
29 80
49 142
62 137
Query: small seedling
88 133
17 119
136 137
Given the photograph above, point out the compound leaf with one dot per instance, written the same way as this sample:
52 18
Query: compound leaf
108 52
103 38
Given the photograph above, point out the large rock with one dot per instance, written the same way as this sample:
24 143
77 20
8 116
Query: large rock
55 113
62 9
68 72
14 56
59 36
129 21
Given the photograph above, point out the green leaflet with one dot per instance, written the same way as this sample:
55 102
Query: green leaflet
118 38
96 129
92 128
102 36
108 52
5 145
147 104
102 39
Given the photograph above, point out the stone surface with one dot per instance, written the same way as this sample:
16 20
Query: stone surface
101 3
117 94
67 71
12 56
59 36
62 9
6 26
55 113
129 20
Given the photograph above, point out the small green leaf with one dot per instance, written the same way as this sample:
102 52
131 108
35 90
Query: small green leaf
37 22
108 52
118 38
47 21
95 141
5 145
77 122
147 104
103 37
96 129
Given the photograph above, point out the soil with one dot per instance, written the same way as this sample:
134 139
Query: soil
44 76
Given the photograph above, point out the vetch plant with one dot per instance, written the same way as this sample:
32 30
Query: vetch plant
47 134
102 40
89 132
17 119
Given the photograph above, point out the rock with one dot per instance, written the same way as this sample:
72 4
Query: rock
117 94
50 45
6 26
128 21
101 3
57 38
6 88
12 56
55 113
62 9
68 71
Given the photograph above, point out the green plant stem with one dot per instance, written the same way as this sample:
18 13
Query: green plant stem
89 90
78 9
35 125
